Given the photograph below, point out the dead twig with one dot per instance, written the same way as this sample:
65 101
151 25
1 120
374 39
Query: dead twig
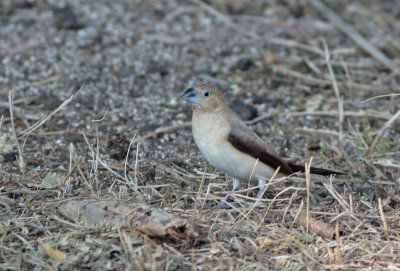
262 117
144 218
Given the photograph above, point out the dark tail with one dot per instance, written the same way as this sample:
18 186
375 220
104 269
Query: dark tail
314 170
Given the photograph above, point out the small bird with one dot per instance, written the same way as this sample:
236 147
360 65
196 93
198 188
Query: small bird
230 146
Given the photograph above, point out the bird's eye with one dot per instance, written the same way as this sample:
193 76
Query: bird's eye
206 93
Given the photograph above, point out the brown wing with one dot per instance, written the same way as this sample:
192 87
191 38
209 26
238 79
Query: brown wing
245 140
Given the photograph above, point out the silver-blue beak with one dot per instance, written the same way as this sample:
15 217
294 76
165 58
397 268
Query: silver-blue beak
190 96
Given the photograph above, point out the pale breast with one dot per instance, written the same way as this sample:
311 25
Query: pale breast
209 132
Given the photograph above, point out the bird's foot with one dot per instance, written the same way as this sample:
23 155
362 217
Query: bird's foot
221 205
260 192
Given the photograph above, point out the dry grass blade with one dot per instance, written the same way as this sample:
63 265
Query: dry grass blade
251 174
103 117
199 192
384 222
126 241
21 161
1 122
104 164
308 184
317 131
46 117
136 165
127 156
336 89
339 199
262 117
274 199
381 132
86 181
381 96
55 254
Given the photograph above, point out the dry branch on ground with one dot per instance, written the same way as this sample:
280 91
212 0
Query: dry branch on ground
149 220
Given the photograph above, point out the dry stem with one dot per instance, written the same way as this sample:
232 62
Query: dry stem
336 89
21 161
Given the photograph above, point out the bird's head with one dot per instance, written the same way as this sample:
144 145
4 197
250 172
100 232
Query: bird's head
205 98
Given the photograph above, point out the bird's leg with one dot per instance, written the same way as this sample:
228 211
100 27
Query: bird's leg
261 184
222 204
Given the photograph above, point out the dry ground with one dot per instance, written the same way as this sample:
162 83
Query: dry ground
131 61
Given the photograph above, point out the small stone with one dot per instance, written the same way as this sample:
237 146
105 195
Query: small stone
157 67
235 6
50 101
244 111
10 157
149 127
244 64
117 147
270 59
66 19
180 116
